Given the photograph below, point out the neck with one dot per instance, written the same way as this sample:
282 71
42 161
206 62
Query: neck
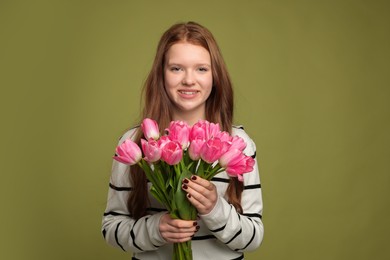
190 117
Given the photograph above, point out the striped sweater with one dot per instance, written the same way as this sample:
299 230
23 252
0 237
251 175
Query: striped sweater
223 234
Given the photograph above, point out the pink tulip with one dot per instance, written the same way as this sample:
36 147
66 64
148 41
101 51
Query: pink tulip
237 142
231 157
204 130
199 131
172 152
195 149
151 149
213 130
213 149
150 129
224 136
128 153
179 131
243 166
236 163
163 140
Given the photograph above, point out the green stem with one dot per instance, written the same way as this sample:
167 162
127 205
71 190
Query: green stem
182 251
158 190
214 171
200 171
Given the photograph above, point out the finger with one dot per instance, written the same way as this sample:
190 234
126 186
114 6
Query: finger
201 197
202 182
197 198
202 203
203 187
175 235
197 192
183 224
167 223
176 230
178 237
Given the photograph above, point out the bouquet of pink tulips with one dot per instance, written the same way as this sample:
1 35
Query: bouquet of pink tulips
202 149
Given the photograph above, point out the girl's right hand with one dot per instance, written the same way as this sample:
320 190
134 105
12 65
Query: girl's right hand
177 230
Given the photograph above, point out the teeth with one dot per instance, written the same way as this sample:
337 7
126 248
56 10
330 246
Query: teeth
188 92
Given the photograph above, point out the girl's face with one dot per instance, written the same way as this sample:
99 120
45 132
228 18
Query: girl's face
188 80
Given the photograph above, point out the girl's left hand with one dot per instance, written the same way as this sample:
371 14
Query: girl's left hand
201 193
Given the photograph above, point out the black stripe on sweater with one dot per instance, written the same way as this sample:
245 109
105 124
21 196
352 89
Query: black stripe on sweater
248 187
133 236
239 258
112 186
238 127
113 213
238 233
203 237
146 223
252 187
218 229
220 179
254 155
116 236
250 241
253 215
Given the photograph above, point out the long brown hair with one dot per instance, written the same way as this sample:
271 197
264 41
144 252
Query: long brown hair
158 106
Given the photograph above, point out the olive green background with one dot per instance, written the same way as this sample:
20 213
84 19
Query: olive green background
311 87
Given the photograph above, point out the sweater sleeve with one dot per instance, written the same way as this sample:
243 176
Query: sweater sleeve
118 227
240 232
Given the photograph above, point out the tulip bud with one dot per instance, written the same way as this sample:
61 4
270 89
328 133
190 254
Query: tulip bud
151 150
128 153
179 131
150 129
213 149
171 152
237 143
195 149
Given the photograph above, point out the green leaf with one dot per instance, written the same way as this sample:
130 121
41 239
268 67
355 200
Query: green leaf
185 209
200 171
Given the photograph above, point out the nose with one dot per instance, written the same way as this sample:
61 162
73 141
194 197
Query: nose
188 79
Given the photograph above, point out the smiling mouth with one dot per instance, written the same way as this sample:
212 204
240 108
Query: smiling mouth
188 92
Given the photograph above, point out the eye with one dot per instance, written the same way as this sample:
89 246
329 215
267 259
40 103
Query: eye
174 68
203 69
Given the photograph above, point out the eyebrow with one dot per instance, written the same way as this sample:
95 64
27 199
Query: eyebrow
178 64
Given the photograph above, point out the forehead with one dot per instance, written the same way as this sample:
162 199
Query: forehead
184 52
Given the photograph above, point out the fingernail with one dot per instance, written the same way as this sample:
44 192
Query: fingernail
195 223
188 195
186 181
193 177
184 186
197 228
